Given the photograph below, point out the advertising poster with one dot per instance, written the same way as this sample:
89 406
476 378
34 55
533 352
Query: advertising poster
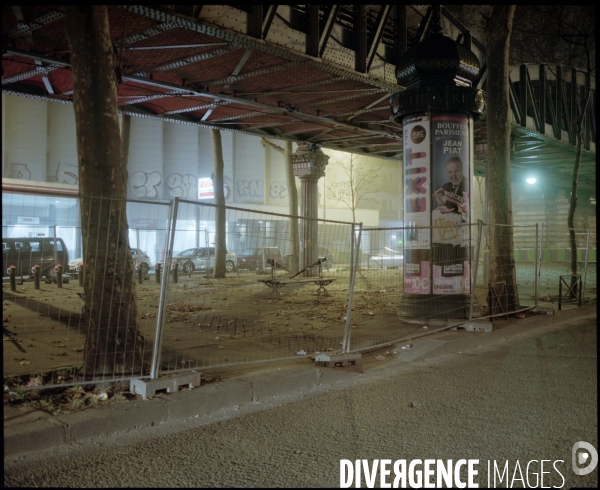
417 204
451 194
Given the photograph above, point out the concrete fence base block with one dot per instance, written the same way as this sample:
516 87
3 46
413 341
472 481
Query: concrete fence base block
170 383
338 360
543 310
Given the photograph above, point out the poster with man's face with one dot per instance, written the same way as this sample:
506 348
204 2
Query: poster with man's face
451 194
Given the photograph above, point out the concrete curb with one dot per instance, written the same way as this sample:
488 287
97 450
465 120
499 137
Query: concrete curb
27 430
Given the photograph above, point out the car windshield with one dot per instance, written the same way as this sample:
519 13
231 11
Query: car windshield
187 253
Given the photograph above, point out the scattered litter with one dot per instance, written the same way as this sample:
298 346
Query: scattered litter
34 382
424 326
412 404
408 346
301 353
520 317
380 358
371 313
383 291
102 397
344 319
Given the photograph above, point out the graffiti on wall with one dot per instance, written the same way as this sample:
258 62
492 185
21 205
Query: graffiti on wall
184 186
278 190
20 171
250 188
67 174
145 184
256 189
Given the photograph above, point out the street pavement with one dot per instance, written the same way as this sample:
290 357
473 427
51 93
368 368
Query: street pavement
514 402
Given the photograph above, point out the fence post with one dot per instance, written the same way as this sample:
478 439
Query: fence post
37 272
353 267
474 281
157 273
164 290
12 275
55 252
585 265
59 276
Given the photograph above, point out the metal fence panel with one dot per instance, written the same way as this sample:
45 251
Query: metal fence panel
258 311
46 329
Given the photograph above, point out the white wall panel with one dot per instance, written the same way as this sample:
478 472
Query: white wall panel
62 164
25 138
146 178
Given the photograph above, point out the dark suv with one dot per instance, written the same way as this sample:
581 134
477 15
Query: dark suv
26 252
252 258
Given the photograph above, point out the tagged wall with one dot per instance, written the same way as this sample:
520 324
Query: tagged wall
165 159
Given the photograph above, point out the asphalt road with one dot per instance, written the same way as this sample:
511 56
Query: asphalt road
521 401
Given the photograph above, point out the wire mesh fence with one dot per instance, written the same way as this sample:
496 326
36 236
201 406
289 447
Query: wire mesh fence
556 261
279 296
268 305
53 336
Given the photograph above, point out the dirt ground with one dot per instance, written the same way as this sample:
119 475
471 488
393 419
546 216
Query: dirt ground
217 322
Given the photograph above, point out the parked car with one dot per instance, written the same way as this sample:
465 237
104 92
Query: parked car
387 258
24 253
252 258
324 252
203 258
143 258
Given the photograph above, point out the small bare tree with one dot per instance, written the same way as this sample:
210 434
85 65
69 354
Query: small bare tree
356 183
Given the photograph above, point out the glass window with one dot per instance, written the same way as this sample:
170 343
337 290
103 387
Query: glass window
49 246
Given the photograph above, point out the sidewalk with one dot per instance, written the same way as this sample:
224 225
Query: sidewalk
27 430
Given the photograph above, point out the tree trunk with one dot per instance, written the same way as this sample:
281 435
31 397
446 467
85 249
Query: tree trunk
125 138
294 255
502 269
574 184
113 346
220 212
294 264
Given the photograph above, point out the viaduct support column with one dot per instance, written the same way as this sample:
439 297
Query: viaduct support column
309 162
